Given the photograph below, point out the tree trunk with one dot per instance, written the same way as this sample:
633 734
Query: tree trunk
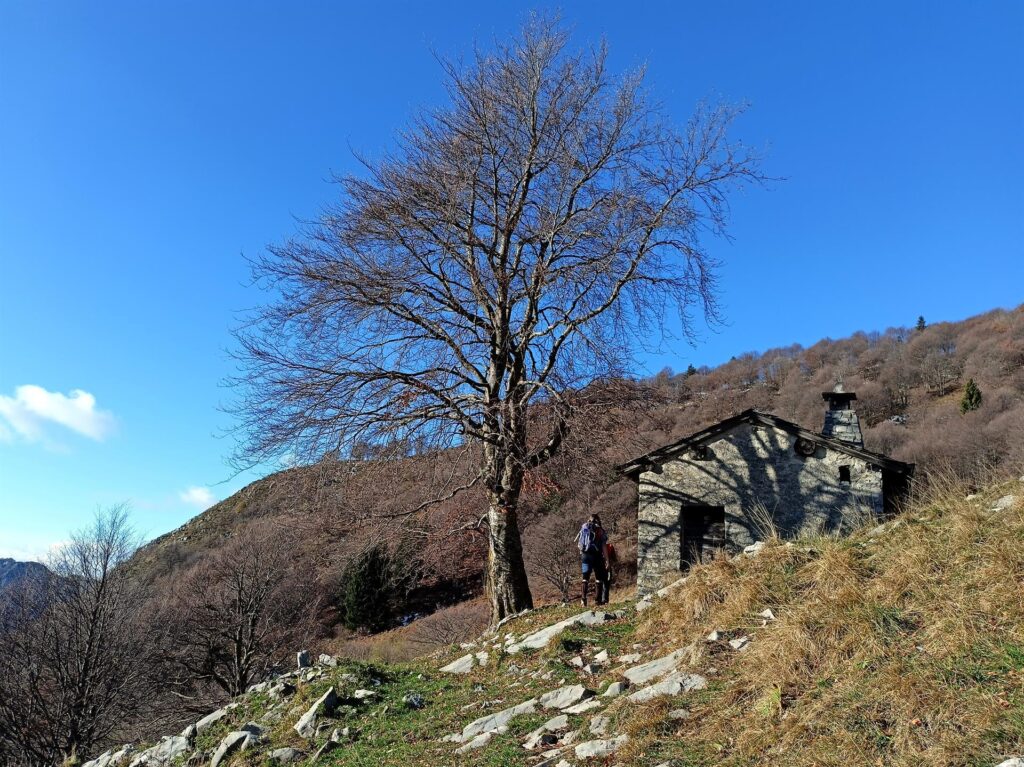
507 586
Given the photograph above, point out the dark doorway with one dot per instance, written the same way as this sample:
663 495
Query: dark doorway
703 531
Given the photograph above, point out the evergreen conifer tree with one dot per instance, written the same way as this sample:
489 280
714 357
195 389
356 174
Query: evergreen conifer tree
921 323
972 397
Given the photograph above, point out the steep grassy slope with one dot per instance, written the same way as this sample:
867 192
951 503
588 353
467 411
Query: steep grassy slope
902 645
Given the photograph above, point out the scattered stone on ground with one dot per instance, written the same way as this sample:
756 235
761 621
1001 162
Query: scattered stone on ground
239 740
674 684
302 659
630 658
580 708
539 639
479 741
599 724
564 697
462 665
601 657
324 706
653 669
163 753
679 713
211 718
414 700
739 643
714 636
593 749
286 755
1005 502
362 694
754 549
614 689
767 614
1015 761
492 722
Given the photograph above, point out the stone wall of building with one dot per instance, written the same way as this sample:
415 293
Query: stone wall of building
746 468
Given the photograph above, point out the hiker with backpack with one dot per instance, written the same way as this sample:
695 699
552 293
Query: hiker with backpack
592 542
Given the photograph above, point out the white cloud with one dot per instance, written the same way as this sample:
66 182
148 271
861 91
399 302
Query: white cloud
32 409
31 552
197 496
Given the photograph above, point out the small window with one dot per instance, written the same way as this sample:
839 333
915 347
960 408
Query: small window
844 473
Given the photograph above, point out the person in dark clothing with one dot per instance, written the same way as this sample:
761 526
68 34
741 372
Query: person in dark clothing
593 545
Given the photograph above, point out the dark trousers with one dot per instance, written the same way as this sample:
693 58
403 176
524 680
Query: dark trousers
594 564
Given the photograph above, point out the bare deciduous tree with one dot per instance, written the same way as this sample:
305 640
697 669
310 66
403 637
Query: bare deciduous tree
236 613
516 246
75 657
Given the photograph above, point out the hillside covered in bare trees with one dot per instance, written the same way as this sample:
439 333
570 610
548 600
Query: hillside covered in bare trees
910 385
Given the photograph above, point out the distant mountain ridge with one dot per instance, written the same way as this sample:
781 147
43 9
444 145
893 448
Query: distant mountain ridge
13 572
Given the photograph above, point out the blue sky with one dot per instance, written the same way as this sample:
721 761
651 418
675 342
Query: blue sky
145 147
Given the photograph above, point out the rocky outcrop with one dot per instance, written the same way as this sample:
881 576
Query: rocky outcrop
539 639
324 706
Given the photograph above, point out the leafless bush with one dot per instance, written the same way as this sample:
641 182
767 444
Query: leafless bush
237 613
553 556
76 657
450 625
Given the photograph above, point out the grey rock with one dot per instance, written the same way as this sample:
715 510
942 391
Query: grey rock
643 604
599 725
231 743
327 660
593 749
542 735
324 706
679 713
302 659
189 734
414 700
714 636
541 638
754 549
1014 761
653 669
281 690
601 657
674 684
615 689
564 697
112 758
162 753
363 694
1006 502
492 722
462 665
211 719
767 614
482 657
479 741
580 708
739 643
286 755
629 658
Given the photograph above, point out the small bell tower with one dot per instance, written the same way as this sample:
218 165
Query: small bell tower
841 420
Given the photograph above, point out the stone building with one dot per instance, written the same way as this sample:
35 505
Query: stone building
715 489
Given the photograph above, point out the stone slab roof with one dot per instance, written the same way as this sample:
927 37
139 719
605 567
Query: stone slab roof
758 418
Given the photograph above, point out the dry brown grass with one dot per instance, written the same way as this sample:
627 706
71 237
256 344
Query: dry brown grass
903 649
